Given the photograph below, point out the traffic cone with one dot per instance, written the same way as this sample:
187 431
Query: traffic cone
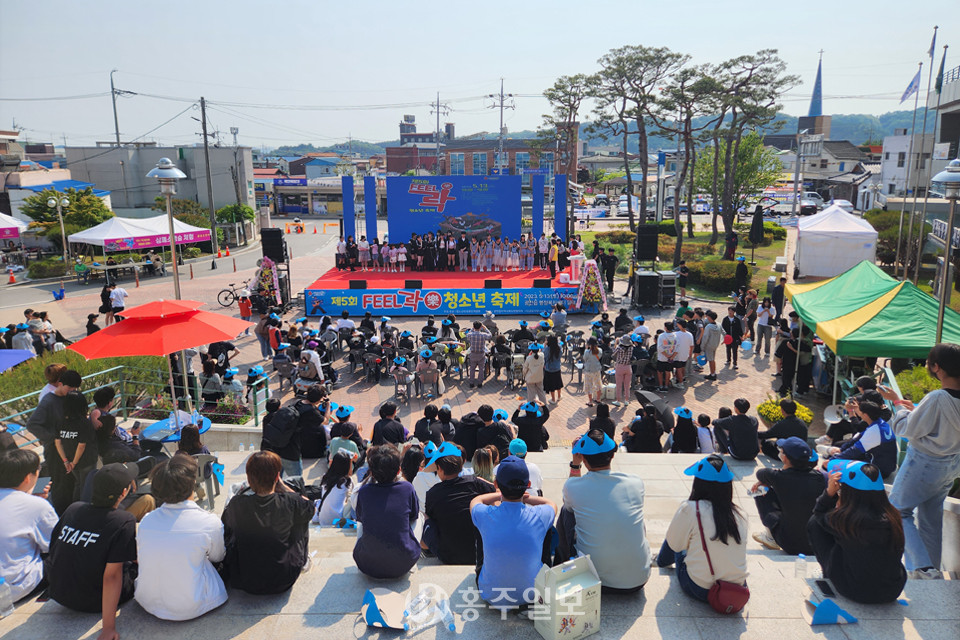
228 251
12 279
314 228
219 253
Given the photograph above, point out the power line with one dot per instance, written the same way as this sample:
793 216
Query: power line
84 96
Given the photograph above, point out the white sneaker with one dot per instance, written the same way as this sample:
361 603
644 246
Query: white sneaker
764 538
824 440
928 573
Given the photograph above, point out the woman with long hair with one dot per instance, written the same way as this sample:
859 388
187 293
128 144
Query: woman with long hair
335 486
707 523
684 432
644 433
552 378
484 460
858 535
592 371
533 375
210 383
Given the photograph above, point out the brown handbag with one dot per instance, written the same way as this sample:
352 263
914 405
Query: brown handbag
725 597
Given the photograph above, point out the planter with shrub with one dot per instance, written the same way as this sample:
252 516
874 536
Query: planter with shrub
770 413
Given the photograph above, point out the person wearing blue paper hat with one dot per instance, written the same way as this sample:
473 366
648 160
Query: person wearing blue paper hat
711 507
448 531
602 516
523 333
345 428
530 419
791 494
858 535
684 437
512 534
406 341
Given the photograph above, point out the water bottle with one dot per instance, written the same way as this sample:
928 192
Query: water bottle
800 567
6 599
173 420
195 417
241 448
429 617
252 448
446 615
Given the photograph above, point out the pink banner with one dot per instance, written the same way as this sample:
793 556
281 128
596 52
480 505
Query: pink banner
9 232
147 242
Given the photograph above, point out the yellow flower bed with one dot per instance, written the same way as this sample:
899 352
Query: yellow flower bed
770 411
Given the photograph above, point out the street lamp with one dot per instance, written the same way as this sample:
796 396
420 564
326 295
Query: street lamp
950 179
168 174
59 204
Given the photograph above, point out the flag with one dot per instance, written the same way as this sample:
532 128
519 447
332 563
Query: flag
939 83
933 44
912 88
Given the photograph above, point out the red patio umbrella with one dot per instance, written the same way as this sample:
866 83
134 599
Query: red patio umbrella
162 308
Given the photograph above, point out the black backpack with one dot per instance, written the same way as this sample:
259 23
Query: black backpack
280 430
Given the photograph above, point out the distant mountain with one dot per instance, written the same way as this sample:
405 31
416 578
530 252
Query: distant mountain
858 128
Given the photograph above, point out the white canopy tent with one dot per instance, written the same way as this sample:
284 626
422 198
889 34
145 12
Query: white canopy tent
11 227
832 242
117 233
111 228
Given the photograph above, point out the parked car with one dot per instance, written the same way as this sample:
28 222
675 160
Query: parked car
808 207
846 205
813 196
601 200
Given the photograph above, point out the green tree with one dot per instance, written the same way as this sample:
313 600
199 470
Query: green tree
755 168
235 213
84 211
180 207
561 127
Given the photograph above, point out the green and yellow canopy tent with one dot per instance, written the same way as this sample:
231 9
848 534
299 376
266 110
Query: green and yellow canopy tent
863 312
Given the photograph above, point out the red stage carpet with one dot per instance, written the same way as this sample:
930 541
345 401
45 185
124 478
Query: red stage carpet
335 279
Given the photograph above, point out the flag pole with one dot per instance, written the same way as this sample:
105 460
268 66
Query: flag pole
906 186
920 165
933 144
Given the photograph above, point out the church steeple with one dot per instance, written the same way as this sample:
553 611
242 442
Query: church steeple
816 100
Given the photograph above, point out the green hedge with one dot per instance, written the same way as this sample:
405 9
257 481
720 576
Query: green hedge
667 228
191 252
772 228
615 237
49 268
915 383
717 275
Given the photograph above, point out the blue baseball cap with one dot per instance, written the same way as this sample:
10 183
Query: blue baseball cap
852 475
518 448
794 448
444 450
683 412
426 353
400 361
512 473
638 318
500 414
587 447
706 471
344 411
531 407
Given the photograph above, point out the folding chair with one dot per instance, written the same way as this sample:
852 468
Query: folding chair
211 484
424 379
286 371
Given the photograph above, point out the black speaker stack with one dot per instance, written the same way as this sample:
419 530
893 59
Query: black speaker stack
647 237
273 244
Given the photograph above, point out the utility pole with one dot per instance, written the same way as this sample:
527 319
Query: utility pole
206 161
444 109
499 103
113 96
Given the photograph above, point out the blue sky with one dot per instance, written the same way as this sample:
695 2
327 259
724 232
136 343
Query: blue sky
399 54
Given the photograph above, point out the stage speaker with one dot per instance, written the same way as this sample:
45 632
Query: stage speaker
358 284
647 242
273 244
646 289
413 284
542 283
492 284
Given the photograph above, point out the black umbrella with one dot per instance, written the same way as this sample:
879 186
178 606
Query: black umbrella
756 231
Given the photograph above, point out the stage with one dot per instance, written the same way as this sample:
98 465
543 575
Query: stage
440 293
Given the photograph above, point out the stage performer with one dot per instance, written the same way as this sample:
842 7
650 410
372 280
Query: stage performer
375 255
393 258
524 252
515 255
353 253
342 254
474 254
364 248
402 257
552 256
451 253
442 259
463 247
488 254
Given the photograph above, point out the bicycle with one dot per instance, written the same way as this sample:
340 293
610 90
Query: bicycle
228 296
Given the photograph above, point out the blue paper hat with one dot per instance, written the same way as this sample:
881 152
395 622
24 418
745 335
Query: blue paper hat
232 371
741 259
544 324
500 414
535 347
683 412
303 319
426 353
531 407
4 329
596 323
587 447
638 318
444 450
255 371
706 471
344 411
282 346
385 318
23 325
432 339
447 322
523 323
429 449
852 475
701 359
829 612
544 315
399 361
405 334
637 338
274 316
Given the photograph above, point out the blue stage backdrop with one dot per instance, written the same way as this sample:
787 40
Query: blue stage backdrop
476 205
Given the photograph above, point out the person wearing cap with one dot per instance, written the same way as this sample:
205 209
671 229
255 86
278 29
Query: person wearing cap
684 437
449 532
742 274
494 431
28 520
246 307
387 508
266 530
790 497
345 428
476 340
789 427
530 419
230 385
92 326
932 460
313 416
737 434
92 563
22 338
877 443
519 448
388 430
523 333
858 535
405 341
724 537
867 390
178 544
513 526
602 516
622 322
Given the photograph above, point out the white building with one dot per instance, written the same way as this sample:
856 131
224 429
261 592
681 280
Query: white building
894 163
